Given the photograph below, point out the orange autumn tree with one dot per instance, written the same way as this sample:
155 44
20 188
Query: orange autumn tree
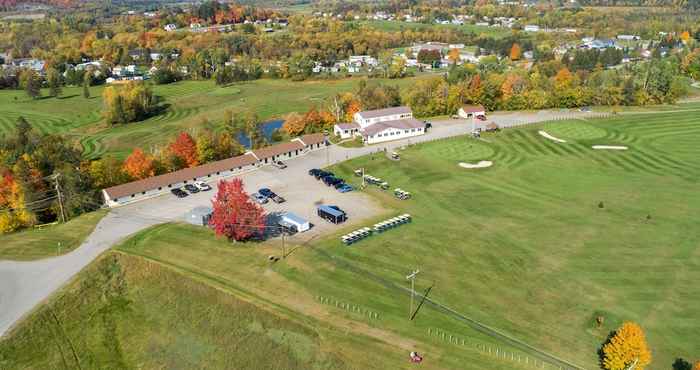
515 52
294 124
138 165
185 148
627 349
696 366
453 56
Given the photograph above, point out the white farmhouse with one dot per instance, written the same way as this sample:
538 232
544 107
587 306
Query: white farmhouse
382 125
170 27
471 111
531 28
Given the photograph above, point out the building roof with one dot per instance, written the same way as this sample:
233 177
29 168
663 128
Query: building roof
273 150
331 210
155 182
311 139
384 112
348 126
473 108
294 218
400 124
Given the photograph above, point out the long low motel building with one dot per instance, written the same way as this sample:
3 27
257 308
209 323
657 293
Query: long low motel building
161 184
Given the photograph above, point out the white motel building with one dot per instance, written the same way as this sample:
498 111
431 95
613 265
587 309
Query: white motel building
376 126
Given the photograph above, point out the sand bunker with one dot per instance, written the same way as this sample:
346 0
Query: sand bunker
550 137
481 164
610 147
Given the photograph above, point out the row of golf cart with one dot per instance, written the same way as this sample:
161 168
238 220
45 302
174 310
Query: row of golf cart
381 227
372 180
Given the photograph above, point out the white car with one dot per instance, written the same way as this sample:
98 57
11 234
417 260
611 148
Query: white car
202 186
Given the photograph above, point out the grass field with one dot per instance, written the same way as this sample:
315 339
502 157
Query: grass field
124 312
190 102
395 26
523 247
44 242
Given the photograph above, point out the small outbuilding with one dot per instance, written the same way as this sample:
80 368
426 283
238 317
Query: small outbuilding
471 111
291 220
492 126
199 216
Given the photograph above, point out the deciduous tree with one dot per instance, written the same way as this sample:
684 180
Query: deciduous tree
53 79
515 52
185 148
627 349
138 165
234 214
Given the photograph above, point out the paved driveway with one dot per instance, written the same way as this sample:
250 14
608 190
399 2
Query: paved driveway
24 285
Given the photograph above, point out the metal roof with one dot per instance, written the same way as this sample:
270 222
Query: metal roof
401 124
384 112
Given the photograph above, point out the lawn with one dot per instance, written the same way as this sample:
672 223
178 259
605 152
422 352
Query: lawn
190 104
124 312
49 241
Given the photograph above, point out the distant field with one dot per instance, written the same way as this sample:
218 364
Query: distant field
393 26
189 103
44 242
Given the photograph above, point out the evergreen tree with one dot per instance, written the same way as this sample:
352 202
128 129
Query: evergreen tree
53 78
87 78
32 83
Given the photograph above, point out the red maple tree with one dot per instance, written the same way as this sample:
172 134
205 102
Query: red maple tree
138 165
185 147
235 215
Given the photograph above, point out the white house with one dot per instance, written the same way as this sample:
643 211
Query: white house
382 125
346 130
471 111
170 27
628 37
531 28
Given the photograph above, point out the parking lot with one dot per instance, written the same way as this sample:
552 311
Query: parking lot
302 193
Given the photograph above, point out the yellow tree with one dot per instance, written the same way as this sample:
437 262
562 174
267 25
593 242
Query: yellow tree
294 124
685 36
627 350
453 56
697 366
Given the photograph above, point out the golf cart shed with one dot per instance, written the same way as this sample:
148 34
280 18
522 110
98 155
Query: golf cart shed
291 219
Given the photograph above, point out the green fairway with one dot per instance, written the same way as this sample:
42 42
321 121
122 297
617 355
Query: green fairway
189 104
49 241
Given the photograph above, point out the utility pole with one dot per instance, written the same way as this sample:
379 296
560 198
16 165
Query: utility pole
60 197
412 277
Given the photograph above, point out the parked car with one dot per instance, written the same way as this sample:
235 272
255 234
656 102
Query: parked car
481 117
191 188
321 174
266 192
338 184
586 109
345 188
279 164
255 197
179 192
277 199
203 186
314 171
331 180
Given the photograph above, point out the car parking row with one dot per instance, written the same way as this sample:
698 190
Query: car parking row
196 187
330 179
263 195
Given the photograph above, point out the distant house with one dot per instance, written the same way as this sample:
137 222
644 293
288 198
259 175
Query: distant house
531 28
628 37
170 27
471 111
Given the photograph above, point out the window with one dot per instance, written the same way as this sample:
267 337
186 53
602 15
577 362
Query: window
132 195
160 188
143 193
170 185
218 173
